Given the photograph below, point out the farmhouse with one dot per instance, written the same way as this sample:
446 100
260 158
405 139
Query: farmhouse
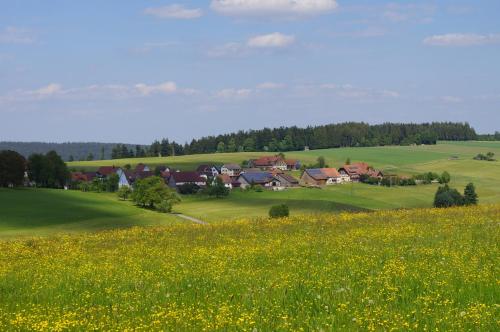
320 177
228 181
142 168
208 170
287 180
269 162
233 170
178 179
105 171
356 170
264 179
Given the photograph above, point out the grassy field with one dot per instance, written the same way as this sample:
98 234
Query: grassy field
389 270
45 212
28 212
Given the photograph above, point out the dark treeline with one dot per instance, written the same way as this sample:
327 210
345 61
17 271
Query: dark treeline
489 137
67 151
351 134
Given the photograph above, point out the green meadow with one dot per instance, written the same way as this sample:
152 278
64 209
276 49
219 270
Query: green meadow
28 212
44 212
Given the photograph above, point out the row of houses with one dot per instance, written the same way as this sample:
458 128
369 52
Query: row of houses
268 172
347 173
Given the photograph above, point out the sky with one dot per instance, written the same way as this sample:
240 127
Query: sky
135 71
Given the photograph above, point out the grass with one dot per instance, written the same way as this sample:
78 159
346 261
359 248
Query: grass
46 212
27 212
421 269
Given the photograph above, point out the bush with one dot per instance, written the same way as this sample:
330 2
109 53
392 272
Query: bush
164 206
217 188
124 193
152 192
446 197
470 196
279 211
188 189
445 178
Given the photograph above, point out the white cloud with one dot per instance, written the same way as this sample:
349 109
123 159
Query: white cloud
174 12
273 7
97 91
270 86
233 93
48 90
14 35
229 49
451 99
348 91
146 90
462 39
273 40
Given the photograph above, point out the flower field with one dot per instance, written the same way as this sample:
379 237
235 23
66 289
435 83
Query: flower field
426 269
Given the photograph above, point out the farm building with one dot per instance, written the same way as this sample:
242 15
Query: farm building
178 179
320 177
355 170
264 179
232 170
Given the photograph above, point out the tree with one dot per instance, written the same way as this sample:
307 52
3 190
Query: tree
445 178
90 157
217 188
111 183
249 144
124 193
71 158
446 197
12 167
102 153
152 191
48 170
321 163
470 196
348 161
221 147
279 211
231 146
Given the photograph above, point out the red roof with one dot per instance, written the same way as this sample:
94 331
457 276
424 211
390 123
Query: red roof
107 170
357 168
183 177
268 161
140 167
226 179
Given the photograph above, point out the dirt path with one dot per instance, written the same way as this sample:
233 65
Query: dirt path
197 221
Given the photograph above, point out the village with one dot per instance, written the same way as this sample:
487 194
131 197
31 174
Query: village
268 172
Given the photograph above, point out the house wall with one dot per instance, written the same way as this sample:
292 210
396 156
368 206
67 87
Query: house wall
306 179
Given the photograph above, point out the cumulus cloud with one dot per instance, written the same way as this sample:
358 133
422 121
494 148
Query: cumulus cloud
273 7
48 90
174 12
14 35
97 91
146 90
270 86
233 93
451 99
462 39
348 91
273 40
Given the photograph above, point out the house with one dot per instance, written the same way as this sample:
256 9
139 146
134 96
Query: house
269 162
292 164
208 170
287 180
226 179
264 179
320 177
355 170
78 177
142 168
233 170
105 171
178 179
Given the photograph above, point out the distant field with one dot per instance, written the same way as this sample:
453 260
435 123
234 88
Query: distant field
454 157
28 212
422 270
45 212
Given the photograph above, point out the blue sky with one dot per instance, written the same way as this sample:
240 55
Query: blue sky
134 71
